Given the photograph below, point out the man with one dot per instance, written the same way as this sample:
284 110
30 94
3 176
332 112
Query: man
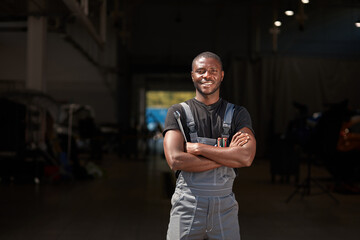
203 204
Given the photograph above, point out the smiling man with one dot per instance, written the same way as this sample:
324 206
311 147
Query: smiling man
219 140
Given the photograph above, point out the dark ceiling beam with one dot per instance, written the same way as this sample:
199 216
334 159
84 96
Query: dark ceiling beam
79 13
37 6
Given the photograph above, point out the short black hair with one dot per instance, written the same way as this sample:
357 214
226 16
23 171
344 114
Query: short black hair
207 55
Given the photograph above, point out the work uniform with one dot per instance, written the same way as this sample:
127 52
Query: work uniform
203 204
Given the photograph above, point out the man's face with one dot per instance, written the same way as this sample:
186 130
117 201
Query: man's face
207 76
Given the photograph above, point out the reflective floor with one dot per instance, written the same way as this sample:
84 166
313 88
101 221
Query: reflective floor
131 201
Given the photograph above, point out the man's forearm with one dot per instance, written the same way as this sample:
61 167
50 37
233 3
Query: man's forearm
179 159
192 163
234 157
198 157
240 153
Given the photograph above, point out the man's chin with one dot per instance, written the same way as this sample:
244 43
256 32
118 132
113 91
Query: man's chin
205 91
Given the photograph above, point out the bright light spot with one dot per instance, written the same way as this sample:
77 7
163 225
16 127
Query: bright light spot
357 24
289 12
305 1
277 23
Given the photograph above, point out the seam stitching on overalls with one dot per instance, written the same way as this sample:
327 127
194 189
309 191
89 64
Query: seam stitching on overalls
193 217
220 223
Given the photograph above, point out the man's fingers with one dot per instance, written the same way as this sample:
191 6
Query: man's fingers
244 142
241 136
237 134
239 139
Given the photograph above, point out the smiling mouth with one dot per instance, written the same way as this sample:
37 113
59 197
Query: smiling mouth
206 83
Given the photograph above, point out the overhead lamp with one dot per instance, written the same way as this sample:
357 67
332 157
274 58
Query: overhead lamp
305 1
289 12
277 23
357 23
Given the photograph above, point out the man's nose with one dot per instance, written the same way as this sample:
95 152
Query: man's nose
206 74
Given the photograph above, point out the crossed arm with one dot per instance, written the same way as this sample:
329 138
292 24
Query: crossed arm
198 157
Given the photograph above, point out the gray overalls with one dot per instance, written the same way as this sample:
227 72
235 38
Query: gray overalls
203 204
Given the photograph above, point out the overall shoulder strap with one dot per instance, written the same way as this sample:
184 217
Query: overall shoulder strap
191 125
229 112
227 119
190 122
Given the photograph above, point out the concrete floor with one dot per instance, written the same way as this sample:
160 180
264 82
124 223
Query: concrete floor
131 202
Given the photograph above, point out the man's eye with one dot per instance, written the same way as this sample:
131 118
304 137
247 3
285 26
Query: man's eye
200 71
213 71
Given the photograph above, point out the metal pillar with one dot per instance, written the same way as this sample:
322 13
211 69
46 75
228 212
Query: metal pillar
36 49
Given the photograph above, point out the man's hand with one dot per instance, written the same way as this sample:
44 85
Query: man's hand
192 148
239 139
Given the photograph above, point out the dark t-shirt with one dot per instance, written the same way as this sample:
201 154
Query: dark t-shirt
208 119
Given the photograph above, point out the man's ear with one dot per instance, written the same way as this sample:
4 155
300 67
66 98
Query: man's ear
222 75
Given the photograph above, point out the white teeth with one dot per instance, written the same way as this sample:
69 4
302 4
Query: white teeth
204 82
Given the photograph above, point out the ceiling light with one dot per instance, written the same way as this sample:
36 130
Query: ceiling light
289 12
305 1
277 23
357 23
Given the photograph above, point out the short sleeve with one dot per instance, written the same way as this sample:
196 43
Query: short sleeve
170 121
242 119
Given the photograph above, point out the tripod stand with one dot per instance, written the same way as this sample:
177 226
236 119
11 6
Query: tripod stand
305 186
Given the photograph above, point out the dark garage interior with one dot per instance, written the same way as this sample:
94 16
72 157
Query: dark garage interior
81 152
